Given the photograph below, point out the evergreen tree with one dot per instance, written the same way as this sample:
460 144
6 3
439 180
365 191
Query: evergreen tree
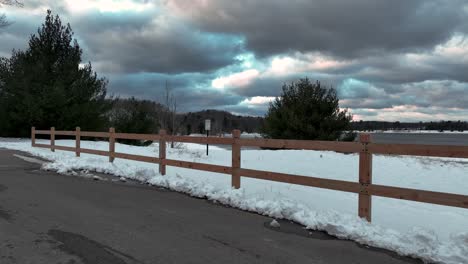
306 110
136 116
46 85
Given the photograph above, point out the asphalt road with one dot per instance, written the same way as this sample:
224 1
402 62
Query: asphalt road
51 218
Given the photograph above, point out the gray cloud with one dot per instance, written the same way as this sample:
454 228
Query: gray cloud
342 28
185 88
442 94
145 43
134 42
399 69
242 110
394 54
16 35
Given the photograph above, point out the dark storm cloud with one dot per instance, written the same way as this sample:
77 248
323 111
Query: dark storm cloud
264 87
343 28
143 85
17 34
366 112
153 85
442 94
193 98
243 110
146 43
401 69
366 103
58 6
387 54
131 42
186 88
445 94
272 85
428 80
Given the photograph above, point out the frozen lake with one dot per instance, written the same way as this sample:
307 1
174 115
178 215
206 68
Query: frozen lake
459 139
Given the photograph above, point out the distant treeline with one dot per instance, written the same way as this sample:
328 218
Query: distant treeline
143 116
381 125
221 122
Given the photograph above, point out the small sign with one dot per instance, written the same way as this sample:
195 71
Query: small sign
207 124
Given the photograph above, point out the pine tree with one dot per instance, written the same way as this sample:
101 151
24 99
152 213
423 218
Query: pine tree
136 116
47 85
306 110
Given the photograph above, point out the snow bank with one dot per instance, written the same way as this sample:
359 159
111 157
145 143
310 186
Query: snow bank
430 232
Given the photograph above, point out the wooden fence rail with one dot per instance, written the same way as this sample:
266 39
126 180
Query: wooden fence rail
364 188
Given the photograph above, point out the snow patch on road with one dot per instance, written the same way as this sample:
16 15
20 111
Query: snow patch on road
275 224
29 159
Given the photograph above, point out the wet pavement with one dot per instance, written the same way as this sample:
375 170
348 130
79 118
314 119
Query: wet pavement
51 218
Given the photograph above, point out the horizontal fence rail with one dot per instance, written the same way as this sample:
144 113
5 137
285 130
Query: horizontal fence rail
351 147
365 148
419 150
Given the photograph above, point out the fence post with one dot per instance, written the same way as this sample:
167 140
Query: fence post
33 136
365 178
111 144
236 159
78 141
52 139
162 152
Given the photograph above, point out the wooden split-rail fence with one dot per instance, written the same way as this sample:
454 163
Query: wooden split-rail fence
365 148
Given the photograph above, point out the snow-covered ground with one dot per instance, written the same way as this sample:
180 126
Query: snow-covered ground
243 135
431 232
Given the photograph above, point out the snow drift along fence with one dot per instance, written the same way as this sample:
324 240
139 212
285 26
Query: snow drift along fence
364 188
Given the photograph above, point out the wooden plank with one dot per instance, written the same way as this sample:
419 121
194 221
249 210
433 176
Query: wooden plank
33 136
419 150
236 160
448 199
198 166
337 185
94 134
347 147
42 132
365 178
134 136
42 145
136 157
162 151
94 151
65 148
201 140
52 139
111 144
65 133
78 141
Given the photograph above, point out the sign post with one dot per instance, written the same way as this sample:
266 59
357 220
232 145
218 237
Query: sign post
207 128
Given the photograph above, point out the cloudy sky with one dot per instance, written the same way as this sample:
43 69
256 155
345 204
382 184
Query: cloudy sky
389 60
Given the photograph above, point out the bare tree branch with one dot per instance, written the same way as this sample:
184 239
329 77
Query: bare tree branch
3 20
168 118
